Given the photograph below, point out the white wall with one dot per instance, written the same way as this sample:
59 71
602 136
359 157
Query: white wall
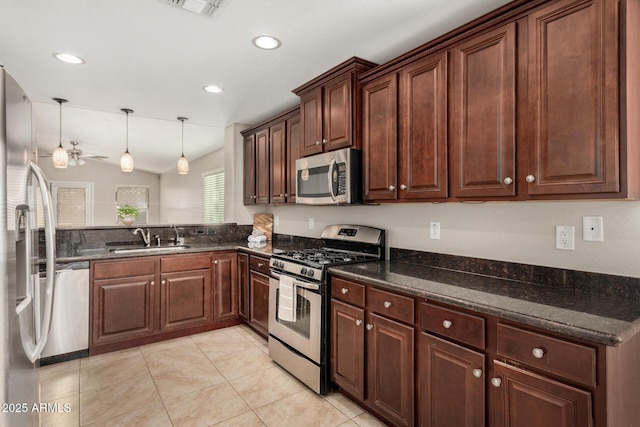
181 200
522 232
105 177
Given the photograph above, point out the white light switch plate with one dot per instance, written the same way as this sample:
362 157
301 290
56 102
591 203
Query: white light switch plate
592 229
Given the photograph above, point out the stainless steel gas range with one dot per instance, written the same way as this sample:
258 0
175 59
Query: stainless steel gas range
299 299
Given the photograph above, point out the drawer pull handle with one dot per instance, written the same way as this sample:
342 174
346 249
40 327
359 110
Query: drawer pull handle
369 326
477 373
496 382
344 291
447 324
538 353
358 322
260 265
387 304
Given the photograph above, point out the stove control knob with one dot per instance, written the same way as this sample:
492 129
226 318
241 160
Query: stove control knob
310 273
303 271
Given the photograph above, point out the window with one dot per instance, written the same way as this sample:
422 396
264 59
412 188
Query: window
136 196
73 203
213 184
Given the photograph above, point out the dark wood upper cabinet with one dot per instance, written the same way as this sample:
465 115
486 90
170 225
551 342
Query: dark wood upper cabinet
249 163
483 122
379 138
294 152
573 98
329 108
262 168
278 166
422 157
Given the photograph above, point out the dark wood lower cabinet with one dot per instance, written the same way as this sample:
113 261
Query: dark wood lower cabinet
525 399
243 286
225 288
259 305
451 384
347 348
185 299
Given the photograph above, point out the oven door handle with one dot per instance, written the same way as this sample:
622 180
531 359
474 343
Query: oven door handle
299 284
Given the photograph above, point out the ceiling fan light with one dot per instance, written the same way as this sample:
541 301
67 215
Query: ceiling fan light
60 158
126 162
183 165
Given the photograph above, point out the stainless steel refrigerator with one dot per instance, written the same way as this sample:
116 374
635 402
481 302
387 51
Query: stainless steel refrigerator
25 305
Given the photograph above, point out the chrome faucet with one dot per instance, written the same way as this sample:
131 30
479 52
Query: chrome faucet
178 238
146 236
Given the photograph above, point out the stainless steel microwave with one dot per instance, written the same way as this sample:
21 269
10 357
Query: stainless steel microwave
331 178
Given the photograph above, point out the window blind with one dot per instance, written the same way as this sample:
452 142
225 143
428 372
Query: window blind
214 198
71 208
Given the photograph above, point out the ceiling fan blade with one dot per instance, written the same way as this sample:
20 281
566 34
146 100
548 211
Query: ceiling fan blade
92 156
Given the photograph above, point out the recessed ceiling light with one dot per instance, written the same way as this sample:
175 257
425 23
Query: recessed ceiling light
68 58
265 41
213 89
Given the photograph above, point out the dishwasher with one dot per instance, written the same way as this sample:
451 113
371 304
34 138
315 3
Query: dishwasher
69 332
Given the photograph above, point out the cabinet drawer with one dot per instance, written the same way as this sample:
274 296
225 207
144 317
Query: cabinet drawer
259 264
346 291
185 262
124 268
391 305
453 324
572 361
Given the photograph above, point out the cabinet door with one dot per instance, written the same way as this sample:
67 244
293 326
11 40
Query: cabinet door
243 286
225 287
347 348
337 113
249 188
278 162
294 152
390 371
185 299
573 88
259 305
451 384
525 399
423 129
262 167
122 309
379 138
483 133
311 122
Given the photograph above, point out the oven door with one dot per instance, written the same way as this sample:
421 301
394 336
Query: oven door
304 334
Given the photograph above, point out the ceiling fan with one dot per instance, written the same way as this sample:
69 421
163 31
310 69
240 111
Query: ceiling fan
76 155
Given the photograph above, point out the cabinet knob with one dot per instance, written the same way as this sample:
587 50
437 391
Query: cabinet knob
391 188
317 142
387 304
538 353
259 264
216 261
369 326
324 141
344 291
164 282
286 194
496 382
358 322
152 283
403 187
530 178
477 373
447 324
508 180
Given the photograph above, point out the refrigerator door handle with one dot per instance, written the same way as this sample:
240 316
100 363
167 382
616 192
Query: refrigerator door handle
33 345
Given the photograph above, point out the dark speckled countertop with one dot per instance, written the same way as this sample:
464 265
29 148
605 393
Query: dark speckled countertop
598 318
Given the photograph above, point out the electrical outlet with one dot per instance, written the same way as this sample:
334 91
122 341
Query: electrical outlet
565 237
311 223
434 230
592 229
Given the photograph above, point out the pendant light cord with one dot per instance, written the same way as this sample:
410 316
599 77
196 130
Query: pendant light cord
127 147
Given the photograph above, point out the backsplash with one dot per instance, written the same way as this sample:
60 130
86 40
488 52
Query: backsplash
581 281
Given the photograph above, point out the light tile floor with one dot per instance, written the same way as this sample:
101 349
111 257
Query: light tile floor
218 378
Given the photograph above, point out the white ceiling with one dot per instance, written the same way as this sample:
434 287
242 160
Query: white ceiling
154 58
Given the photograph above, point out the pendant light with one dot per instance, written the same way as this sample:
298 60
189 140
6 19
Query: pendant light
60 157
126 161
183 163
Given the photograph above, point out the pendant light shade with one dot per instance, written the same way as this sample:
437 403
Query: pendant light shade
183 163
126 161
60 157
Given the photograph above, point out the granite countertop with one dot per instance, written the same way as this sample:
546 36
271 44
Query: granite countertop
601 319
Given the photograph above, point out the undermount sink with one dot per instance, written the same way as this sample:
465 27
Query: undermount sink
150 249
